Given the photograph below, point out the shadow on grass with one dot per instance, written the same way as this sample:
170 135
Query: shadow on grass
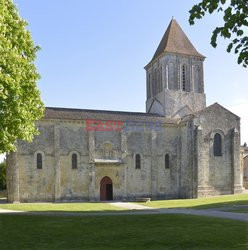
119 232
220 204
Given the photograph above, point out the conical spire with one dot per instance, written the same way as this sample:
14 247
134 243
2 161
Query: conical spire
175 41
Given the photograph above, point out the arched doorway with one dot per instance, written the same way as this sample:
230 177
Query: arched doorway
106 189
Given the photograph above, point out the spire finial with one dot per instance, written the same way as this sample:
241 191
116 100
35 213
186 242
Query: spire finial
172 18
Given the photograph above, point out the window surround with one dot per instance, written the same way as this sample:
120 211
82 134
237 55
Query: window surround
183 77
213 133
167 76
135 161
70 159
43 160
217 145
167 161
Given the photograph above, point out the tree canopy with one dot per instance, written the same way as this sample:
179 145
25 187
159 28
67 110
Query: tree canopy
3 175
20 103
235 15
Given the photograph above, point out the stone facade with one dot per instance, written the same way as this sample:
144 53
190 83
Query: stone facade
171 151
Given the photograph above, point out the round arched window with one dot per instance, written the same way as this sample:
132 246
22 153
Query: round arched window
217 145
74 161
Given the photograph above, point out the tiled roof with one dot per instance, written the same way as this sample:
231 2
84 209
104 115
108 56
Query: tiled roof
175 41
83 114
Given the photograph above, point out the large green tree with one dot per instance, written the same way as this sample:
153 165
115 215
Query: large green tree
20 103
3 175
235 16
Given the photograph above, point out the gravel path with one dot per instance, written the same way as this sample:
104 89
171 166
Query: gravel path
130 206
209 213
136 209
7 211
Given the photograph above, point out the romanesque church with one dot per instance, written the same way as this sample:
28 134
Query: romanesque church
178 148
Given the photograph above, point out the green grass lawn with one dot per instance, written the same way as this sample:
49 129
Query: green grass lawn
62 207
201 203
121 232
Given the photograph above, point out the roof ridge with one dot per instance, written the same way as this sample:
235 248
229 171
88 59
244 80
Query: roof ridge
212 105
104 115
101 111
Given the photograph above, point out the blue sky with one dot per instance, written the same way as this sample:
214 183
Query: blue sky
93 53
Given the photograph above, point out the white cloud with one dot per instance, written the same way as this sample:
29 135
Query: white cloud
240 108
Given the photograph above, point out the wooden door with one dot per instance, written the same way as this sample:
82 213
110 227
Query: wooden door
106 189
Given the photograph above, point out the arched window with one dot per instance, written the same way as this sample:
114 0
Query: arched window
74 162
137 161
167 161
184 78
217 145
39 161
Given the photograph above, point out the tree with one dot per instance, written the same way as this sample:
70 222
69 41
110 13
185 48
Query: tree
20 103
3 175
235 16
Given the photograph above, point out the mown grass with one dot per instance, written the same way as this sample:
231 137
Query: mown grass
62 207
201 203
121 232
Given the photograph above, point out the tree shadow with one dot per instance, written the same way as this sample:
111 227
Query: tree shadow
216 205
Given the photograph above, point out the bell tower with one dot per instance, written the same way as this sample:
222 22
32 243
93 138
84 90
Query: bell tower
175 84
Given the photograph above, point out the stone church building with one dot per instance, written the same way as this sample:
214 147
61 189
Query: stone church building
178 148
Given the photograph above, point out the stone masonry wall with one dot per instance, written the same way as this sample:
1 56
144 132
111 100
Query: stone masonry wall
171 98
218 174
58 140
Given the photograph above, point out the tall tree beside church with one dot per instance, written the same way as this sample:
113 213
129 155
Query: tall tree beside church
235 16
20 103
3 175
